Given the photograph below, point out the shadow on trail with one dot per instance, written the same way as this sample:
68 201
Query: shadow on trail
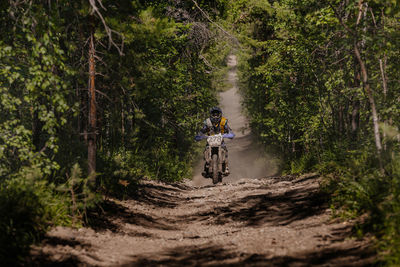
272 209
160 195
112 213
213 255
44 259
184 256
113 216
47 261
56 241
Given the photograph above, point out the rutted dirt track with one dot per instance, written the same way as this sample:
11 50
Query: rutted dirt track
276 221
249 220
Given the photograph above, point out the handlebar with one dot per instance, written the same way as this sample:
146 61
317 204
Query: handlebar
201 137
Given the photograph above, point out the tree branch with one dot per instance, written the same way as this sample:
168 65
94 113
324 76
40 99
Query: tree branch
108 30
216 24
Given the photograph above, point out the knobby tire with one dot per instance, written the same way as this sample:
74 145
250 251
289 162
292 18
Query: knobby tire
215 169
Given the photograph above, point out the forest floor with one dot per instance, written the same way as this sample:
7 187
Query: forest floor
254 218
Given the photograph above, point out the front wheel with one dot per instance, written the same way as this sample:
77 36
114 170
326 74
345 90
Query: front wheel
215 173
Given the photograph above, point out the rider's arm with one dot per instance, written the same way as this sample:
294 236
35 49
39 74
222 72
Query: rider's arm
228 132
202 133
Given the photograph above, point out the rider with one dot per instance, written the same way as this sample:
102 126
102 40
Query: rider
216 124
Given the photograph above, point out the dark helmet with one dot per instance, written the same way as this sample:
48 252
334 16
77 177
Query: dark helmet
215 115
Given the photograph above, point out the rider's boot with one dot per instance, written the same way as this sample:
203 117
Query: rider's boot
226 169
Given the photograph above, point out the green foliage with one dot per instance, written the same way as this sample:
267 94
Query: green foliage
79 195
390 242
155 62
33 92
304 92
217 57
122 173
28 205
159 98
299 77
359 188
304 164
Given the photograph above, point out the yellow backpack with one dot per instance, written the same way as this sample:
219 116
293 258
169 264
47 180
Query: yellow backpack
211 126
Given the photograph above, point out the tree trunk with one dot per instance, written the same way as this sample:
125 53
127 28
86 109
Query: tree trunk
92 111
371 99
383 75
365 81
382 66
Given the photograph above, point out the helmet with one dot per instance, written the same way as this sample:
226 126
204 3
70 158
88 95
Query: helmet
215 115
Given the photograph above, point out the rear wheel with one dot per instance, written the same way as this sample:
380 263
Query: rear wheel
215 173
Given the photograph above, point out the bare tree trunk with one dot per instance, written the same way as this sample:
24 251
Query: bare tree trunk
92 111
365 81
383 75
371 99
382 66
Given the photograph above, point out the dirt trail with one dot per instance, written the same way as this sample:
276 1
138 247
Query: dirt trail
246 158
253 221
275 221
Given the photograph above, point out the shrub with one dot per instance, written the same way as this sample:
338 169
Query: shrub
28 207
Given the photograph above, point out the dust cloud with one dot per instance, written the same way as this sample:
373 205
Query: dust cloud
246 158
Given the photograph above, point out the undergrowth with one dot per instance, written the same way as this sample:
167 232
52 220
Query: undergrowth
30 205
359 187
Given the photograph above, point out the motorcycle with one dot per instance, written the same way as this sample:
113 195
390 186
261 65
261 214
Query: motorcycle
215 157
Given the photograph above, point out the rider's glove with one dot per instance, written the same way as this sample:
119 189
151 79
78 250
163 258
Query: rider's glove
228 135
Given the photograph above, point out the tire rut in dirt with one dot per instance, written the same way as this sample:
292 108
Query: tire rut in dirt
280 221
